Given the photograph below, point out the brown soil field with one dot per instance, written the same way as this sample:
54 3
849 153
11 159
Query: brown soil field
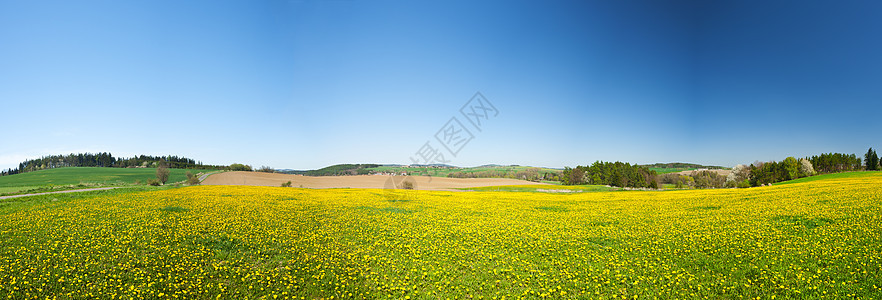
723 173
361 181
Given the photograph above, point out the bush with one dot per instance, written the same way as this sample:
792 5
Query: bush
154 182
192 179
407 185
287 184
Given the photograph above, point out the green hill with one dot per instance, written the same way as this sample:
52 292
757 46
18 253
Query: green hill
90 176
662 168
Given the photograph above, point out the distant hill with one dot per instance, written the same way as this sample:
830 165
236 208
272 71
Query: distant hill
90 176
291 171
672 167
342 169
435 170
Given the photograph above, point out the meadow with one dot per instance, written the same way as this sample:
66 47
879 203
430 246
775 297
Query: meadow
67 178
817 239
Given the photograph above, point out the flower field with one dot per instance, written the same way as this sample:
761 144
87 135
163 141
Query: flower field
818 239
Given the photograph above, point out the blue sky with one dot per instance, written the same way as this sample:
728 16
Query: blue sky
305 84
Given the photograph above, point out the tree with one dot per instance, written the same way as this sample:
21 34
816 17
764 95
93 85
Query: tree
805 168
739 174
266 169
162 174
871 160
790 168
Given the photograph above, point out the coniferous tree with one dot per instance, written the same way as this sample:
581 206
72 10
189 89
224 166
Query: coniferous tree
871 160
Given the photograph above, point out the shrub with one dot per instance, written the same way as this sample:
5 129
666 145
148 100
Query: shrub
192 179
154 182
407 185
287 184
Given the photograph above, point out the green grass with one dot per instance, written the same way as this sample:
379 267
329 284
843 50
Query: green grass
15 189
13 204
845 175
71 178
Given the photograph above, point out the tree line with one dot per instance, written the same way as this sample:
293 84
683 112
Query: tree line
835 162
762 173
757 174
342 169
105 159
790 168
611 173
531 174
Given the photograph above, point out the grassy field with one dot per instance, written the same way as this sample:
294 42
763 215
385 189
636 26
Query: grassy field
818 239
845 175
66 177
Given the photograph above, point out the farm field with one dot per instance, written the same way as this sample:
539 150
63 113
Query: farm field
88 176
443 172
357 181
818 239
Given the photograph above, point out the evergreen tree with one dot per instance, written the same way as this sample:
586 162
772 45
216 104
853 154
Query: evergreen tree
871 160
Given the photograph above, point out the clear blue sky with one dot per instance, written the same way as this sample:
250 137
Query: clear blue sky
305 84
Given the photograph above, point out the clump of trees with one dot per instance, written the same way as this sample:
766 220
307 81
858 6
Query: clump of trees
611 173
739 177
239 167
708 179
835 162
762 173
266 169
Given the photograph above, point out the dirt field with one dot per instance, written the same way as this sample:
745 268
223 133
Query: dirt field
723 173
362 181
